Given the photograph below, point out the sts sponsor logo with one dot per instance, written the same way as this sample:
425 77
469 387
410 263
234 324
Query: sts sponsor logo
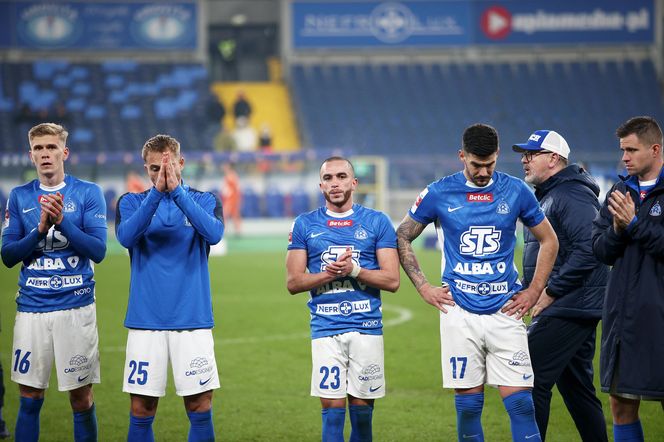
480 241
333 253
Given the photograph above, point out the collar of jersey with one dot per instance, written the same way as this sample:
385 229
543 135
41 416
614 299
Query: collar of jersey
328 212
475 186
53 188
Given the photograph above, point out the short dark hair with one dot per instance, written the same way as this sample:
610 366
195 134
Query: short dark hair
645 128
480 140
338 158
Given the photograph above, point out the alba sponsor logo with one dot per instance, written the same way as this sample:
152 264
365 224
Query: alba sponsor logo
339 223
479 197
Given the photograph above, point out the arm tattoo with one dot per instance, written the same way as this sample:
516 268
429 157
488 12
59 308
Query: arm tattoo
407 231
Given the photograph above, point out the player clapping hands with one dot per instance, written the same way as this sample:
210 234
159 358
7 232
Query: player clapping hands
51 211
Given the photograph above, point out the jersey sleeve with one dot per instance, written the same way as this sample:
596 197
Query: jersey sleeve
203 213
94 215
387 238
16 243
133 216
424 208
531 213
90 240
297 238
12 222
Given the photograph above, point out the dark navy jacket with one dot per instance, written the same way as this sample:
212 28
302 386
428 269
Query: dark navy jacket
578 280
633 319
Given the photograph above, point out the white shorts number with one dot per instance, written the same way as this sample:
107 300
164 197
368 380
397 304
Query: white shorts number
349 363
190 352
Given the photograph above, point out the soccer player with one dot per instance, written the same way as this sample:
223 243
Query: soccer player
55 226
561 336
481 300
628 235
168 230
344 254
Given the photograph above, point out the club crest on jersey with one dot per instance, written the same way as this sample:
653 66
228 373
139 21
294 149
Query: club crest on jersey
419 199
70 206
479 197
656 210
503 208
360 233
339 223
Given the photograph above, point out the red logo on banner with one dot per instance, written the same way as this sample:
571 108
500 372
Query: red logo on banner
337 223
496 22
479 197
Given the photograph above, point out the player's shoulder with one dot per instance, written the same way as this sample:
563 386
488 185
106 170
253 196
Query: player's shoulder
79 183
129 197
368 212
502 177
199 194
444 184
310 216
28 187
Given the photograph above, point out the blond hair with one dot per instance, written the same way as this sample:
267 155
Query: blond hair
43 129
161 143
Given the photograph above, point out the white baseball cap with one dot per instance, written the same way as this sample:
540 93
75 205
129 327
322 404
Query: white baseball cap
548 140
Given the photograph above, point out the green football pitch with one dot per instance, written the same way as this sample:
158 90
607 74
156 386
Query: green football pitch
263 353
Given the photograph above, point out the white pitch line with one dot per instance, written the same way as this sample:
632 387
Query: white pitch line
403 315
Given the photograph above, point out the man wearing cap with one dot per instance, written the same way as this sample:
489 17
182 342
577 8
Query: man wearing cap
561 336
627 234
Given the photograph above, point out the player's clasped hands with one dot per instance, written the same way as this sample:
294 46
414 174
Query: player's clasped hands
622 209
439 297
342 266
167 181
51 211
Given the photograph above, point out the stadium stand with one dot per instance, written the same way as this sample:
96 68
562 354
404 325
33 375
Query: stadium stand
114 104
400 109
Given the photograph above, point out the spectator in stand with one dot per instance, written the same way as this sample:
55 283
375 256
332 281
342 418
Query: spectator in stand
214 108
245 136
242 107
60 114
265 139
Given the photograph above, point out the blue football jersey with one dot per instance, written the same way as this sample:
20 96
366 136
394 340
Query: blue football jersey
55 275
345 304
476 228
168 236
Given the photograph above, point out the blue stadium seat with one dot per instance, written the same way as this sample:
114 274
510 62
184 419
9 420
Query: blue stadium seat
250 203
